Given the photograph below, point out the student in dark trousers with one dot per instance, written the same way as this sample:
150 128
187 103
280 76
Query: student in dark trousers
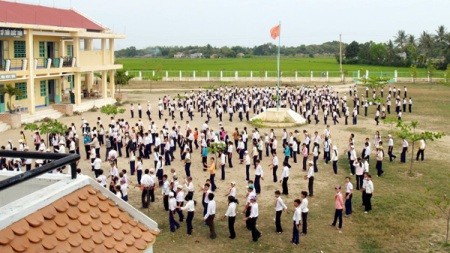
310 178
339 206
404 151
369 192
174 225
285 178
252 218
305 210
348 196
231 214
297 218
209 216
190 209
279 208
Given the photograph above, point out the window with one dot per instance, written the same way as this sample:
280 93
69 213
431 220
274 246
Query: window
70 81
23 88
19 49
70 50
42 49
43 88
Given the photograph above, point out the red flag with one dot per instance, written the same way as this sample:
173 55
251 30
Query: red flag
275 32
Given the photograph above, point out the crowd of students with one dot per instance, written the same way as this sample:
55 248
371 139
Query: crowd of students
164 143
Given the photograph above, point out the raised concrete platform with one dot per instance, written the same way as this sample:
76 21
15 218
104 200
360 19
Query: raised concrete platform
86 105
280 117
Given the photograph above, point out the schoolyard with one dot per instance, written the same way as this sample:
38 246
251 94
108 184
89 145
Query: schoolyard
404 217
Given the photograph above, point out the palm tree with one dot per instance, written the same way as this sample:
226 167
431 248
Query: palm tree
426 42
411 40
441 32
400 39
11 91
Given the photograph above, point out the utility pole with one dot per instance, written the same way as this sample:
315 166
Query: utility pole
340 55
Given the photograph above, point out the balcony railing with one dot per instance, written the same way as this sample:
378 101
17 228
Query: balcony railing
39 63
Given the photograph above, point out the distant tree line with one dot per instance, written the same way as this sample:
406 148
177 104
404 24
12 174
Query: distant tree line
405 50
208 51
427 51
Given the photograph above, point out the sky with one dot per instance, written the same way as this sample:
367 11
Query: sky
247 22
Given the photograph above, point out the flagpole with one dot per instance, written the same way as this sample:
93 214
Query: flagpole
278 69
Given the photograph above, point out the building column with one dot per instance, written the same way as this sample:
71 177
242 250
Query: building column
104 54
76 50
104 84
112 83
30 82
77 88
111 51
89 81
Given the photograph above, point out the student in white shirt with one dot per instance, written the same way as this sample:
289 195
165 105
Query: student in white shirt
172 209
348 196
304 209
279 208
285 178
297 218
334 158
210 214
190 209
252 218
369 189
231 214
101 179
310 178
232 190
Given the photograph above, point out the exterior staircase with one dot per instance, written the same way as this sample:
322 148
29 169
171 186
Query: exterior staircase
4 127
89 104
40 114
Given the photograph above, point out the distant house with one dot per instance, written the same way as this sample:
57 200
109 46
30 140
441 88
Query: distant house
214 56
196 55
240 55
54 213
179 55
402 55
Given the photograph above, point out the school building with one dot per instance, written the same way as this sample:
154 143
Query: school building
54 57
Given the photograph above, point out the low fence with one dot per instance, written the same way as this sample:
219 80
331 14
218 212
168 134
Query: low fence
285 76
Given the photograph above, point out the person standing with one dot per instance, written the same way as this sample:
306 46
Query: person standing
352 159
190 208
132 110
212 174
247 165
310 178
305 153
334 158
421 151
348 196
379 165
209 216
297 218
146 183
391 148
252 219
231 215
285 178
404 151
274 166
359 170
316 153
339 205
279 208
174 225
222 164
179 196
258 177
369 192
305 210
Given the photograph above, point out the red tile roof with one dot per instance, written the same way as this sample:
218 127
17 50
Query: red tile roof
83 221
41 15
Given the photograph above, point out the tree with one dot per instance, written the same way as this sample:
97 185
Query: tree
375 83
48 127
111 110
413 72
409 132
215 148
352 50
11 91
122 78
400 40
444 206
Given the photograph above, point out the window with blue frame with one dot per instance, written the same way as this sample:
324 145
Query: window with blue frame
20 49
23 90
43 88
